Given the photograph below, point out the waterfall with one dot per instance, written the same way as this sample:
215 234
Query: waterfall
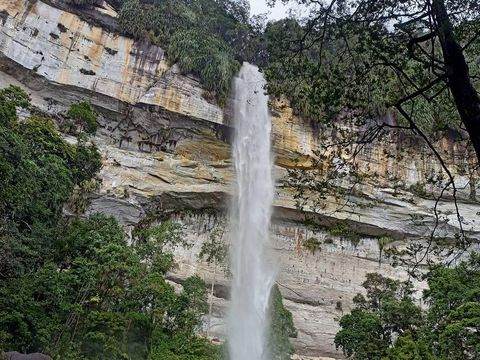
252 269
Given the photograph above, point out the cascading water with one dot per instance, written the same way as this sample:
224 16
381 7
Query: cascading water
252 269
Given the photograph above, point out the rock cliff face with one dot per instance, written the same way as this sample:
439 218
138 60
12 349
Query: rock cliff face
166 150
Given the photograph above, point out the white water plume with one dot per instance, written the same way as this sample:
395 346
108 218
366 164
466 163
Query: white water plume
252 269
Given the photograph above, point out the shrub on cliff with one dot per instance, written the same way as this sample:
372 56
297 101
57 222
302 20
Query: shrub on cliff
155 22
206 56
82 116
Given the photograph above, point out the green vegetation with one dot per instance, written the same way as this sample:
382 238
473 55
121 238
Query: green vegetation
282 328
74 288
419 189
376 57
312 245
39 172
82 118
386 324
345 232
207 38
215 252
208 57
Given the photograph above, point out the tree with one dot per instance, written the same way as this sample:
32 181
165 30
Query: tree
96 297
453 297
386 323
425 45
407 348
75 288
381 69
39 172
386 312
83 116
361 336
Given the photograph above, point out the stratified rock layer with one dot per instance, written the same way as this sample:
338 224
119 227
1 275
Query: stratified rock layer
166 149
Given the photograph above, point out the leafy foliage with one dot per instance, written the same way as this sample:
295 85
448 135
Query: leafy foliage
373 58
215 250
206 56
83 116
207 38
106 301
312 245
282 327
39 172
386 323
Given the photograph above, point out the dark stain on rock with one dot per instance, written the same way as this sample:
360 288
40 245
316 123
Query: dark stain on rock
4 16
62 28
87 72
110 51
146 56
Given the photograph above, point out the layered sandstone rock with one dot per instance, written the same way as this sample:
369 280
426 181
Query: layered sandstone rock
166 149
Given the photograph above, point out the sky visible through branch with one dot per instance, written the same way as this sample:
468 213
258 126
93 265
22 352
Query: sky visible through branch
279 11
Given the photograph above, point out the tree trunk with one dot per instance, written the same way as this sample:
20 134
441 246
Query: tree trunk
465 95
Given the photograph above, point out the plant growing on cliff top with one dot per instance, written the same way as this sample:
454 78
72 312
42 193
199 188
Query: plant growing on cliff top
206 56
206 38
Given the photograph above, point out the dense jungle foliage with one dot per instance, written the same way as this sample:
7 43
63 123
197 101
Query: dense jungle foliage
74 288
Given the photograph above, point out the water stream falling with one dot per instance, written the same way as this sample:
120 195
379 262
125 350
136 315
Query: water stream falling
252 269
